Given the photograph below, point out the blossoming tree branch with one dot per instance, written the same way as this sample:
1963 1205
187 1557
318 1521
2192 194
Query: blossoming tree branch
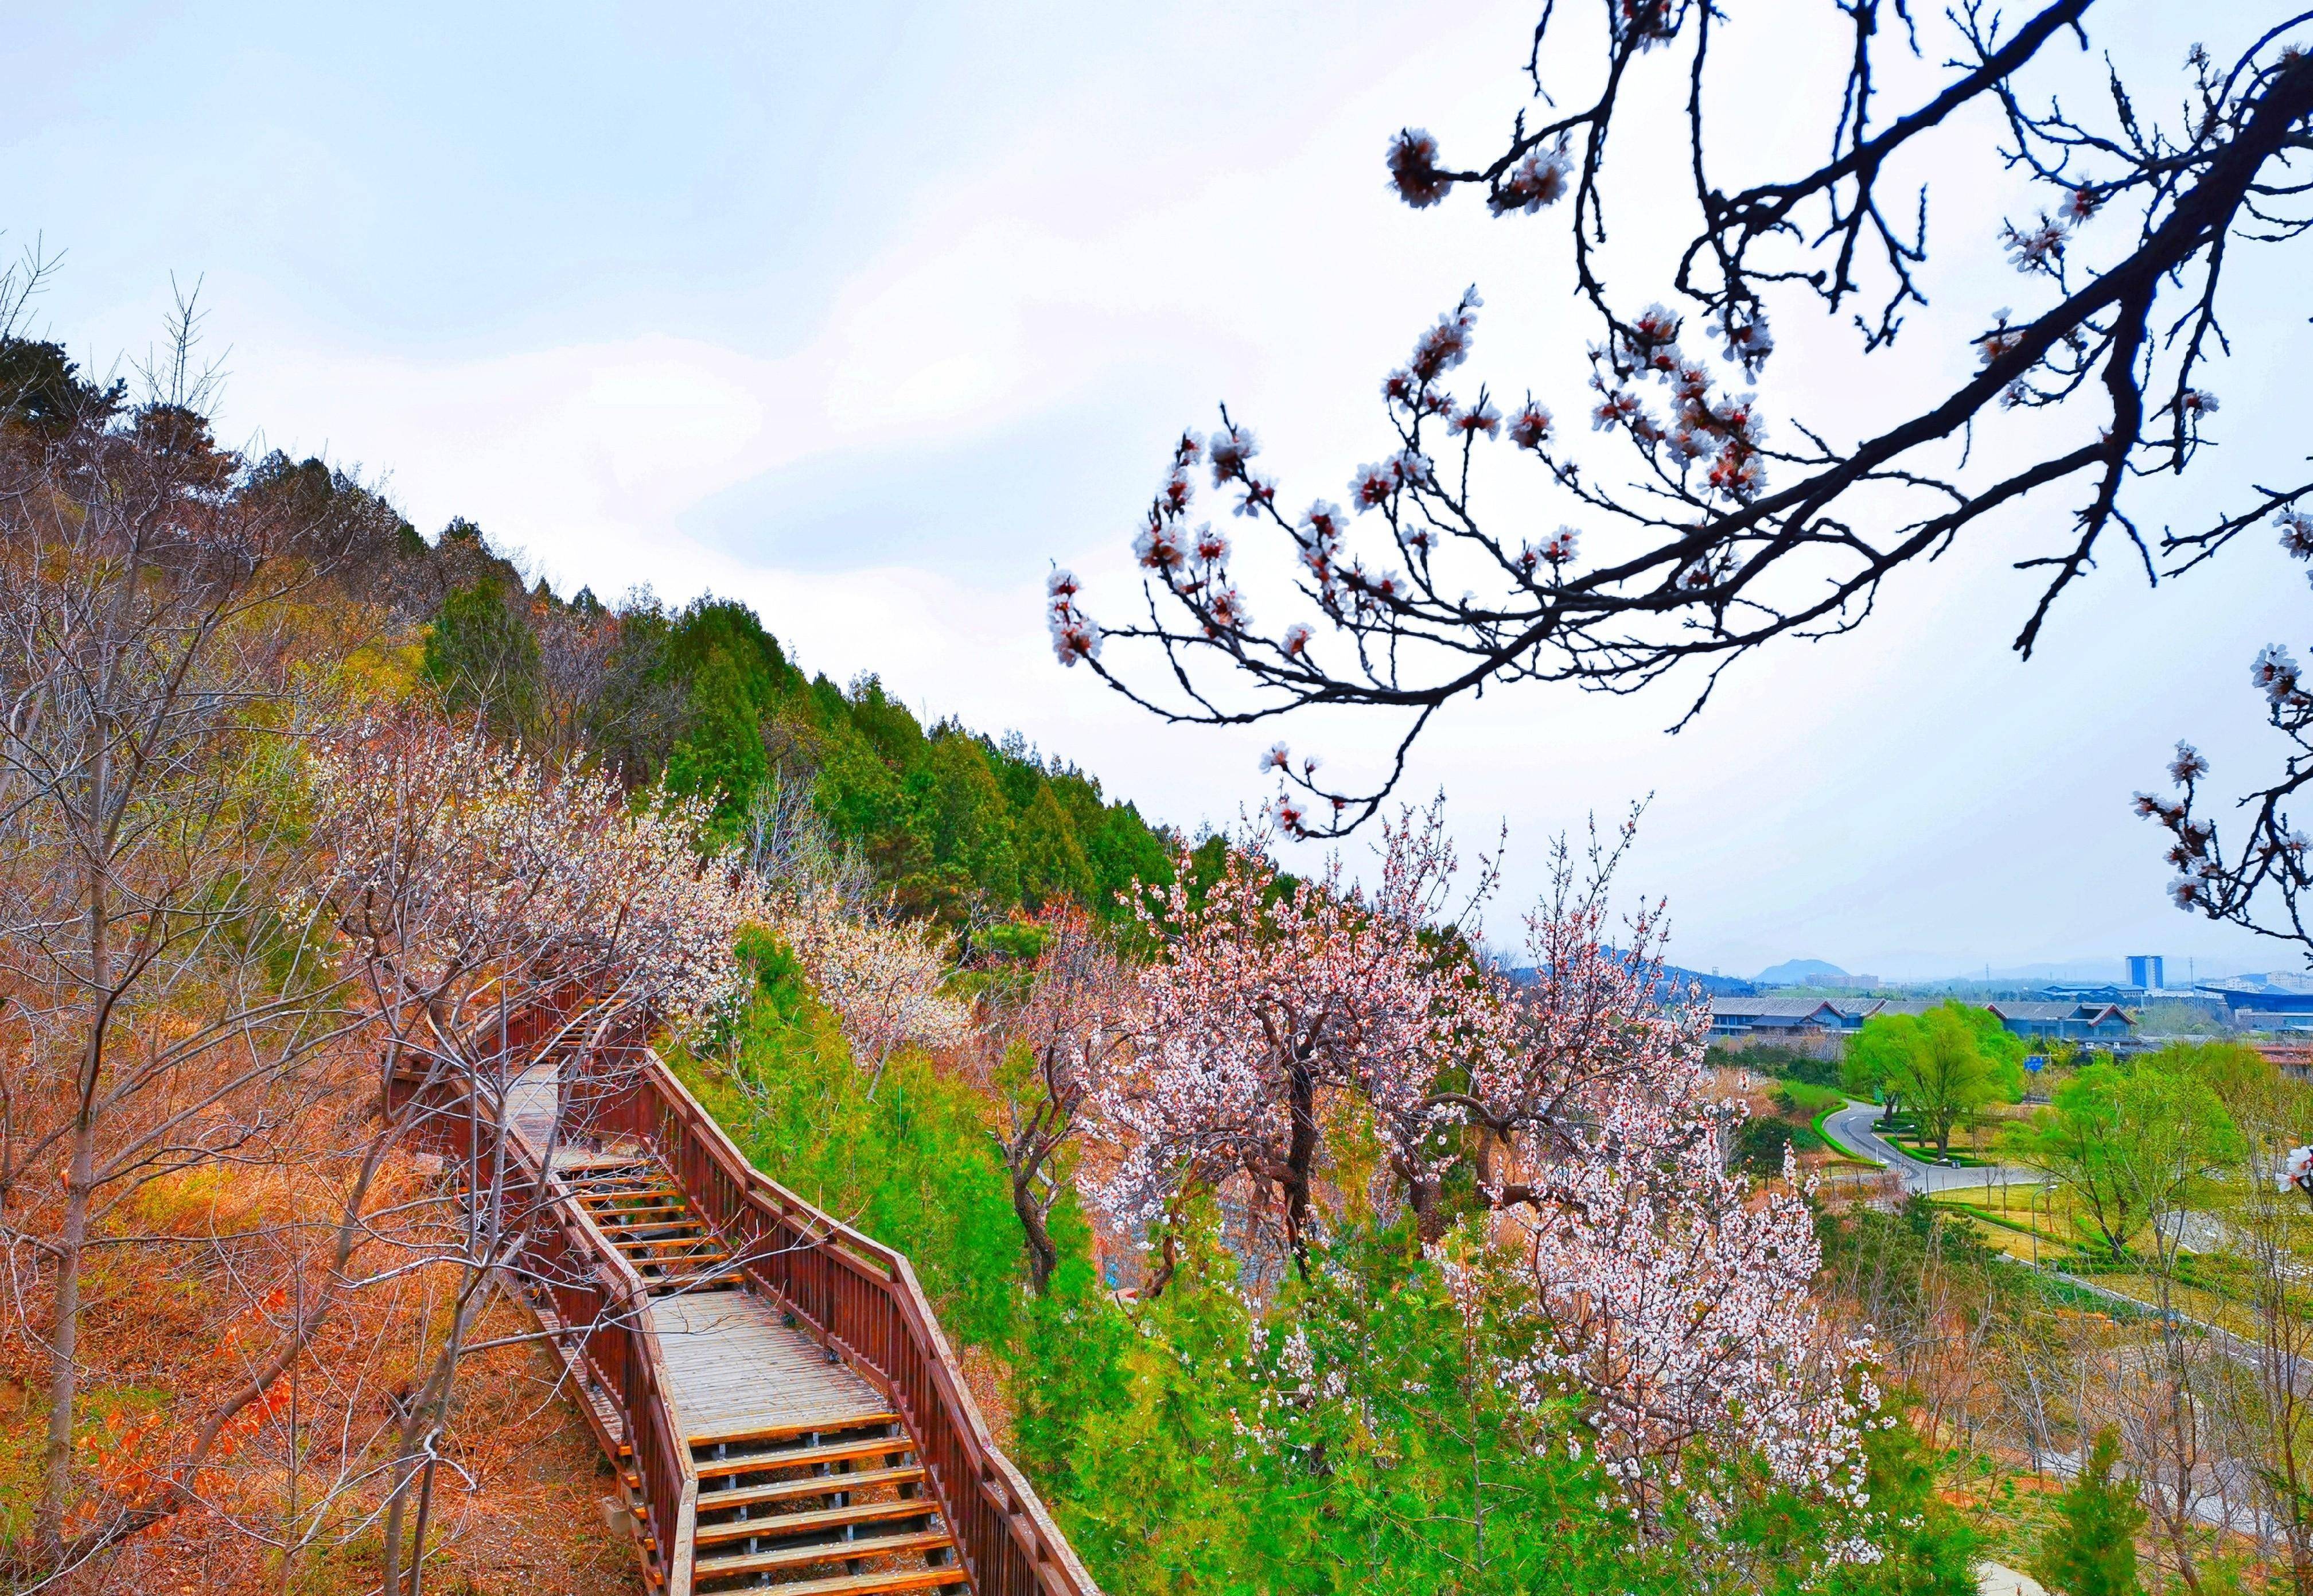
1719 534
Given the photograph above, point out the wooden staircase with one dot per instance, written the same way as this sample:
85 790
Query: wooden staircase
830 1506
643 1213
770 1384
820 1513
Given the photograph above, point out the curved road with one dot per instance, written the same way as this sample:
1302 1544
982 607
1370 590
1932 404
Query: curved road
1852 1127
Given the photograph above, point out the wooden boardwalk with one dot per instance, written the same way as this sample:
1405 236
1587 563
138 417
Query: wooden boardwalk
771 1386
736 1370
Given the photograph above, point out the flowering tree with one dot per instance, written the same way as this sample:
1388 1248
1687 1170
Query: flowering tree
1272 1001
1074 1028
1674 1300
886 980
1718 538
2261 883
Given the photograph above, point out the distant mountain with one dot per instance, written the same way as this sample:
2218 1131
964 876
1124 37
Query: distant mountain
1802 972
1676 979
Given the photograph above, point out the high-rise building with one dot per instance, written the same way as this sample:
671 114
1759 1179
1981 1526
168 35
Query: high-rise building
2144 970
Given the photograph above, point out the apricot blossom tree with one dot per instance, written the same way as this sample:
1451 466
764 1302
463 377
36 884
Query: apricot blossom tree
1274 1000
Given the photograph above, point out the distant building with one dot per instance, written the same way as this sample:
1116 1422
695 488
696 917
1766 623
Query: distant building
1770 1018
2106 993
1773 1017
2078 1022
2144 970
2281 1000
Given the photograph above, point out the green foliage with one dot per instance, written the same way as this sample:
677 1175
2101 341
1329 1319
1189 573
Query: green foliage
1760 1144
1941 1066
2126 1140
914 1166
483 656
1805 1101
2091 1549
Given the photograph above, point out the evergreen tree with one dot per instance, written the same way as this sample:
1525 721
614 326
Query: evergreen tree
2091 1549
483 656
1052 863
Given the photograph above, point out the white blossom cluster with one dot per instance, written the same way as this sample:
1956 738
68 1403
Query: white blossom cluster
467 872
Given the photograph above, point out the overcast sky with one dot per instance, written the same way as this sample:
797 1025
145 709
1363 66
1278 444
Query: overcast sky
868 314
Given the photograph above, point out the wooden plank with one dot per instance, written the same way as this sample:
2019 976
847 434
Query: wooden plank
838 1551
876 1585
775 1525
817 1484
804 1457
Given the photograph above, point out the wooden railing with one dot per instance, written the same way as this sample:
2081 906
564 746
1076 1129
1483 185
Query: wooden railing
602 1308
861 1300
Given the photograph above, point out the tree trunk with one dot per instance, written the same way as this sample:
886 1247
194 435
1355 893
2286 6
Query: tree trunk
63 1340
1043 1257
1300 1161
80 1184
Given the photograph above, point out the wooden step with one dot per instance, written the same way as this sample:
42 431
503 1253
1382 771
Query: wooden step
758 1434
801 1456
636 1201
781 1525
873 1585
817 1484
668 1285
615 1223
647 1246
836 1551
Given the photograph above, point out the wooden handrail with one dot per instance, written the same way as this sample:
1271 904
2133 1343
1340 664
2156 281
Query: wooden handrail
601 1301
863 1303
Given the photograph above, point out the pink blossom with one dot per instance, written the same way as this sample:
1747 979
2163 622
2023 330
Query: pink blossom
1177 490
1559 547
2188 765
1446 345
1747 338
1372 487
1737 473
1230 449
2296 533
1619 408
1411 467
1211 547
2274 672
1296 640
1414 168
1398 388
1278 758
2036 249
1073 635
1479 417
1259 494
1158 548
1999 341
2081 205
2196 404
1538 180
1530 428
1226 610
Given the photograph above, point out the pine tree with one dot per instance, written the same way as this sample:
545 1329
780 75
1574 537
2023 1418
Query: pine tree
2091 1549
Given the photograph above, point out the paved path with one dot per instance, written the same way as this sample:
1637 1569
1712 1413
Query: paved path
1852 1127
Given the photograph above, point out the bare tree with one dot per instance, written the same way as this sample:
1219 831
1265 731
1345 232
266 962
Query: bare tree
162 999
1069 1028
1715 539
